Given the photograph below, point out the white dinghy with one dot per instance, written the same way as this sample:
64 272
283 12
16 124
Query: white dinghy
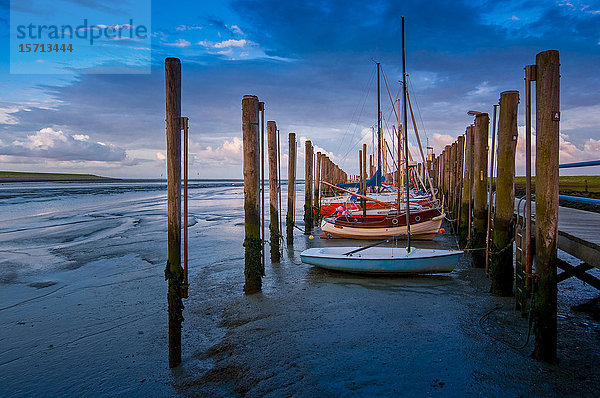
383 260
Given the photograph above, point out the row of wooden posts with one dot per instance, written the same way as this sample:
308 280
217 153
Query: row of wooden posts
318 168
460 173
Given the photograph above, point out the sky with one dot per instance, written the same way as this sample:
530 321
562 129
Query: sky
100 108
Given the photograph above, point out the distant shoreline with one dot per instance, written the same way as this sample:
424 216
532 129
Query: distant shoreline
19 176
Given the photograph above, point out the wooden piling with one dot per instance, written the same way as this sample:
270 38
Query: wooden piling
452 182
465 203
480 166
273 191
365 177
546 203
173 270
290 217
501 258
318 163
308 175
447 156
460 152
253 267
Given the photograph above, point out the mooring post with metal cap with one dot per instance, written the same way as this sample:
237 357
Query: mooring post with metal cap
253 266
173 271
480 165
501 256
318 172
185 286
273 191
460 152
290 217
524 271
467 185
261 109
488 236
546 203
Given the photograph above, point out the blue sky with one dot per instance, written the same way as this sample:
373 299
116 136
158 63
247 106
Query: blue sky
312 63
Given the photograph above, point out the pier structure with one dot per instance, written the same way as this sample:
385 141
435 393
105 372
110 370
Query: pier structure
534 240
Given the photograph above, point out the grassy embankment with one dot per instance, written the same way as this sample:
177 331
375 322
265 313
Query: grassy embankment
588 186
17 176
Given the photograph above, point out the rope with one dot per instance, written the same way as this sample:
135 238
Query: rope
530 322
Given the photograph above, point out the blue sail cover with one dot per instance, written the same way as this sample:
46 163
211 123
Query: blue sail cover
374 181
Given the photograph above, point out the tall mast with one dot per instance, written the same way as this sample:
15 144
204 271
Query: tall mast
405 138
378 119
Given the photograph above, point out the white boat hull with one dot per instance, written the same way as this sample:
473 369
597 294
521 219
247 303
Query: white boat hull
383 260
425 230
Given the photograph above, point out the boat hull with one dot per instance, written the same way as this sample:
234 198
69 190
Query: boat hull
383 260
424 230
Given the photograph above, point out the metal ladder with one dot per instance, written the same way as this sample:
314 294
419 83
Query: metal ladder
522 282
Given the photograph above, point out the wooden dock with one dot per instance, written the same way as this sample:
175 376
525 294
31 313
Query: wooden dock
579 236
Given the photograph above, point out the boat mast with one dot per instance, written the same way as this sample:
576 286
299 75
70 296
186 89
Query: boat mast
406 182
378 182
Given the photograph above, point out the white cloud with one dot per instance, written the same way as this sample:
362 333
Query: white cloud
160 156
230 152
48 143
241 43
236 29
231 43
181 43
580 117
6 116
568 151
440 141
482 89
182 28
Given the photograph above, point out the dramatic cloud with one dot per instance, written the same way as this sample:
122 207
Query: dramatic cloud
50 144
230 152
461 59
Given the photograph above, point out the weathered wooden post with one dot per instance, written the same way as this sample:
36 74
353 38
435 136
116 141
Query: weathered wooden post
546 203
253 269
273 191
501 259
290 217
447 173
173 270
365 177
308 171
460 152
480 165
318 171
465 203
452 182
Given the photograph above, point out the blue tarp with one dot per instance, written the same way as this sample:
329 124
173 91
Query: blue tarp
374 181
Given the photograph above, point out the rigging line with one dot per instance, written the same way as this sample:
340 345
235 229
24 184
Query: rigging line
366 87
390 94
358 118
418 108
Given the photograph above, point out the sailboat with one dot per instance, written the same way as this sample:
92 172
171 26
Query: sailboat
374 259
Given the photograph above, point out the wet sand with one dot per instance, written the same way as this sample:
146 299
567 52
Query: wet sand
83 312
